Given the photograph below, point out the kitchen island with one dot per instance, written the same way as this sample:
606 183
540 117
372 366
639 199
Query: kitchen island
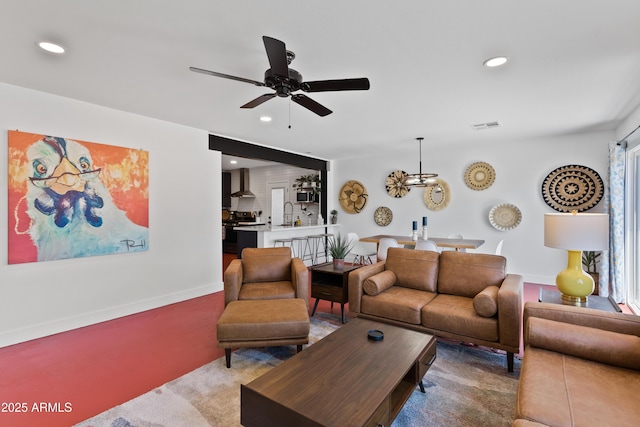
263 236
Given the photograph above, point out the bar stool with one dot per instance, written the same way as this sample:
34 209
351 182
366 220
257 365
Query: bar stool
300 248
318 246
283 242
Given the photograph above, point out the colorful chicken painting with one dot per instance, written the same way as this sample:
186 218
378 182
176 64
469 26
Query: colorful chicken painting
70 199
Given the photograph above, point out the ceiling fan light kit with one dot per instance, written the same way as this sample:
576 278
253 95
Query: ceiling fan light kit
285 81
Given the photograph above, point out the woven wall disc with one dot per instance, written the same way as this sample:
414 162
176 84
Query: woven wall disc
395 184
383 216
353 197
479 176
438 196
505 217
572 187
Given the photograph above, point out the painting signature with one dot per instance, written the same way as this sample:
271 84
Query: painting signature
133 244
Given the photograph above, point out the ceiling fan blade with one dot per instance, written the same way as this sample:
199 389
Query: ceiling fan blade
277 54
259 100
335 85
226 76
310 104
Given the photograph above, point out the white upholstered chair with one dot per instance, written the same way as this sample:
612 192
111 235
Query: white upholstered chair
426 245
384 244
362 253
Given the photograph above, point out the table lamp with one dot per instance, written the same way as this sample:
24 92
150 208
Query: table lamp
576 232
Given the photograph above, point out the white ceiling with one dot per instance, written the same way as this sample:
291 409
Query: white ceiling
574 65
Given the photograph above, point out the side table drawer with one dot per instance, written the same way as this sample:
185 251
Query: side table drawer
426 359
327 292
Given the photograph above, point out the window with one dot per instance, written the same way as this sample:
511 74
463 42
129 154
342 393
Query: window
632 228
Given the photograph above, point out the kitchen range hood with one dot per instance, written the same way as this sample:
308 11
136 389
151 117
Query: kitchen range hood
244 185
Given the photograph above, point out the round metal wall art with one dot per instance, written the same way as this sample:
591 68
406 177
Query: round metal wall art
353 197
479 176
395 184
572 188
437 197
383 216
505 217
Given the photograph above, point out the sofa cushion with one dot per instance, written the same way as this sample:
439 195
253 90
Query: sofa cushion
589 343
414 269
467 274
456 315
379 282
266 290
266 264
486 302
397 303
560 390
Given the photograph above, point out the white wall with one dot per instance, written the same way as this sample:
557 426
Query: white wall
520 167
185 254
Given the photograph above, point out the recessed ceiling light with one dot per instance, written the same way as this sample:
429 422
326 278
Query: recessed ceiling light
51 47
233 162
265 119
495 62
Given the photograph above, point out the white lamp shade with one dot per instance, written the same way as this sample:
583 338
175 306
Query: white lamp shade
579 232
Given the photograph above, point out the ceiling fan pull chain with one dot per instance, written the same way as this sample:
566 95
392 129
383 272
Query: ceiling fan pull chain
289 113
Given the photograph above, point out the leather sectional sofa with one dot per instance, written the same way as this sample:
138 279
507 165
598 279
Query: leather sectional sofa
456 295
581 367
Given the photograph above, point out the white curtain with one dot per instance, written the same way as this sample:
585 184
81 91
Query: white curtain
612 261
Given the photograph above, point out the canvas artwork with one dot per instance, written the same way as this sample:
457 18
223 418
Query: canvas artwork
70 198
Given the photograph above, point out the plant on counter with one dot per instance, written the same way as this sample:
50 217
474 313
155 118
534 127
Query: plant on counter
334 216
308 183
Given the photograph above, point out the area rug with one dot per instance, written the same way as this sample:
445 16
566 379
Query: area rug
466 386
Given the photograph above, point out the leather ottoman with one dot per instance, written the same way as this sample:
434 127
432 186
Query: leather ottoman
263 323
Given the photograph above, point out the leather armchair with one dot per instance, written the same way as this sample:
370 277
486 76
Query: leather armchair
581 367
266 273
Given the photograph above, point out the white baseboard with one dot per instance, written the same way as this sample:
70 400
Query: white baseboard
41 330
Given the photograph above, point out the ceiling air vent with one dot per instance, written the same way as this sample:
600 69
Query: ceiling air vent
487 125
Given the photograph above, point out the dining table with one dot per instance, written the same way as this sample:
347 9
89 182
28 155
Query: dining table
441 242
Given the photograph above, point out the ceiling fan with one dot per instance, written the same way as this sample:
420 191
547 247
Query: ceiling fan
285 80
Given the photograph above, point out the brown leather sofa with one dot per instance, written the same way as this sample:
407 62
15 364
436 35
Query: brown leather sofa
581 367
457 295
266 273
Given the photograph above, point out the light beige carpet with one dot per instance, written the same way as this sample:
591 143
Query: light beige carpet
464 387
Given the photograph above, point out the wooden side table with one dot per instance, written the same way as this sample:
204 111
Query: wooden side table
594 301
331 284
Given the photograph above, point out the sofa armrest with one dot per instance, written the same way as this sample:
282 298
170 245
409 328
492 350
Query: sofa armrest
594 344
232 281
356 279
615 322
510 298
300 279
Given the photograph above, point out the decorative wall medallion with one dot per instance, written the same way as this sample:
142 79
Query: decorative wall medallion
437 197
353 197
395 184
383 216
505 217
572 187
479 176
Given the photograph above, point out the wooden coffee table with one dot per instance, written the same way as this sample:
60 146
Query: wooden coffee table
342 380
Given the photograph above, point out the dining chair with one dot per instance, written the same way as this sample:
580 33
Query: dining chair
384 244
361 254
426 245
499 247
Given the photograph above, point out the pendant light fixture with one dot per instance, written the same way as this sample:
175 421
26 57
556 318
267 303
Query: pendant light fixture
421 179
